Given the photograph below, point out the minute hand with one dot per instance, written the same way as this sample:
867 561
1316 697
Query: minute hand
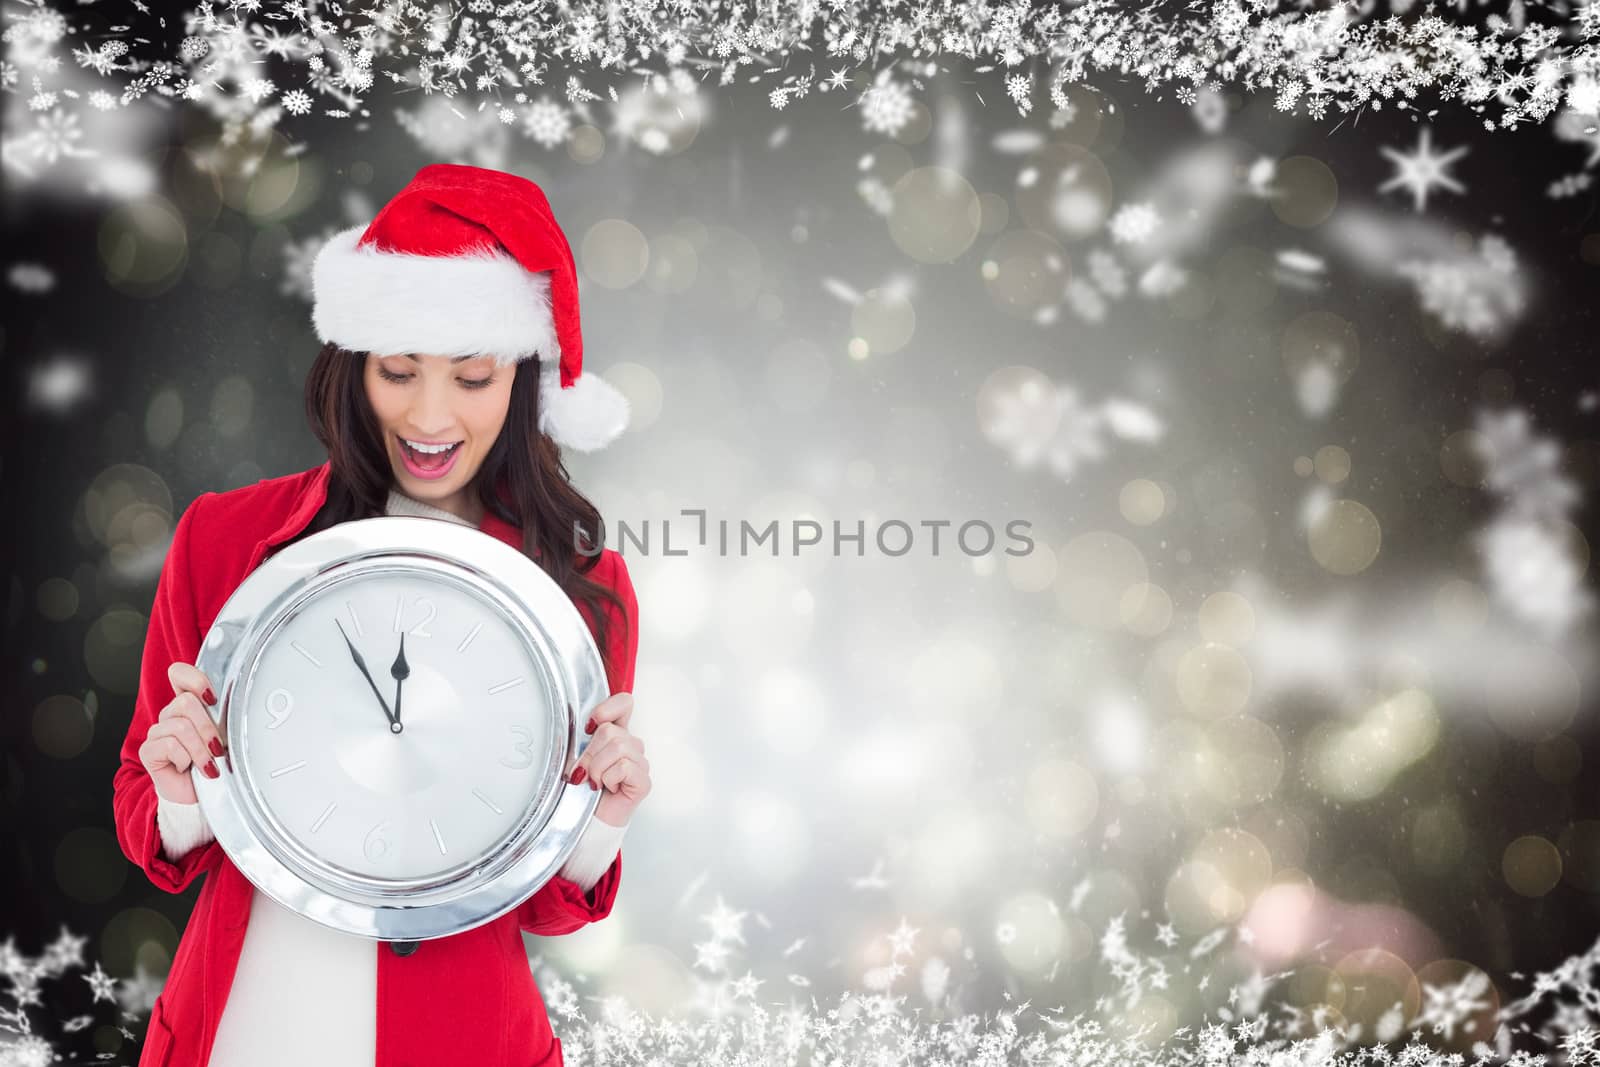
387 714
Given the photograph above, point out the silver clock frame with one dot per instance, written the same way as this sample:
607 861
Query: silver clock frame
570 669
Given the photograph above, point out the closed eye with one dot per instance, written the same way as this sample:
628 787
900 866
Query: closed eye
470 383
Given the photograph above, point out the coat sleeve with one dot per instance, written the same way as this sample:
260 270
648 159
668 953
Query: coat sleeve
561 905
173 636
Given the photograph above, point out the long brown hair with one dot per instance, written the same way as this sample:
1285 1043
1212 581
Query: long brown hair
543 501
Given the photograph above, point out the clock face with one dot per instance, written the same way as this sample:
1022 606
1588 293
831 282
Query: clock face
396 727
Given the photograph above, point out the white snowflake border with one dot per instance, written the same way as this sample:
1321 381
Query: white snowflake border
728 1025
253 61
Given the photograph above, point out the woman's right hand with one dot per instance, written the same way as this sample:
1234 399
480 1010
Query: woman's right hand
183 736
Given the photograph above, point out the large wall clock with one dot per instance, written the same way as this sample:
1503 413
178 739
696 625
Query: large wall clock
400 698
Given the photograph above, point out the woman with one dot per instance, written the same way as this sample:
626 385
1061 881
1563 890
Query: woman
450 374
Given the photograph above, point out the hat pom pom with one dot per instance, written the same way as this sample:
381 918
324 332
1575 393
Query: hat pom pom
587 415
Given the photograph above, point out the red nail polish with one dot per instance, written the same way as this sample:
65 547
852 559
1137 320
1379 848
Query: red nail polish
577 776
210 697
593 784
210 769
591 727
216 746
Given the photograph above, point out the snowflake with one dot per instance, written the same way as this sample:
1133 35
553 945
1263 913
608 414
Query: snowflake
901 939
1474 293
877 195
31 1051
64 953
296 102
1018 89
1531 572
258 89
103 60
1162 278
1582 1043
1086 300
299 256
57 135
1583 95
1453 1005
1422 170
547 122
1525 468
103 985
885 107
1107 273
1134 223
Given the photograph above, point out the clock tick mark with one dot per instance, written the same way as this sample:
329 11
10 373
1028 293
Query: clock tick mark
503 686
487 801
327 811
437 836
467 640
355 620
286 770
306 653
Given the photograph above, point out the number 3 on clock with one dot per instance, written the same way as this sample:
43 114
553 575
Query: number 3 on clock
523 748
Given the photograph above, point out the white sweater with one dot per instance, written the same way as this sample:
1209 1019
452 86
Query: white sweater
300 985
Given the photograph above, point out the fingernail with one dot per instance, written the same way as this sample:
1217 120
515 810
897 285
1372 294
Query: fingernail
593 784
590 728
216 746
577 776
210 697
211 769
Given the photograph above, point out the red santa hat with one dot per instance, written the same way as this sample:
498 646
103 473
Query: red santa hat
469 261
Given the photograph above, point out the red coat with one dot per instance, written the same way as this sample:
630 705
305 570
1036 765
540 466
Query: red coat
468 998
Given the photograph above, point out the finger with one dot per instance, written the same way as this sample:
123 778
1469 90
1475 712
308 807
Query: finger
605 735
159 752
154 753
177 754
186 705
622 769
617 708
626 714
186 733
187 678
605 750
160 730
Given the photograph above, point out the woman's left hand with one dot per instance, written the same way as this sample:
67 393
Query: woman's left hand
614 762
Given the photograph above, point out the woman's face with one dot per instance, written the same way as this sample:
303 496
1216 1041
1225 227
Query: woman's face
438 400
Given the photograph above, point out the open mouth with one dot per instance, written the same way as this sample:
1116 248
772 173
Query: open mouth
429 463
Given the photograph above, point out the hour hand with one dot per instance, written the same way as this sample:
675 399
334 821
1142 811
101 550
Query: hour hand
387 714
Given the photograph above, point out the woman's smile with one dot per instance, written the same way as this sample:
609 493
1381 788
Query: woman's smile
425 460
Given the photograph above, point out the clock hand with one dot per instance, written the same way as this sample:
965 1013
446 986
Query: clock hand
400 672
394 724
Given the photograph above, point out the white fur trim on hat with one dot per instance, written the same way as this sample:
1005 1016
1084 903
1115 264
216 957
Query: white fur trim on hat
587 415
391 303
